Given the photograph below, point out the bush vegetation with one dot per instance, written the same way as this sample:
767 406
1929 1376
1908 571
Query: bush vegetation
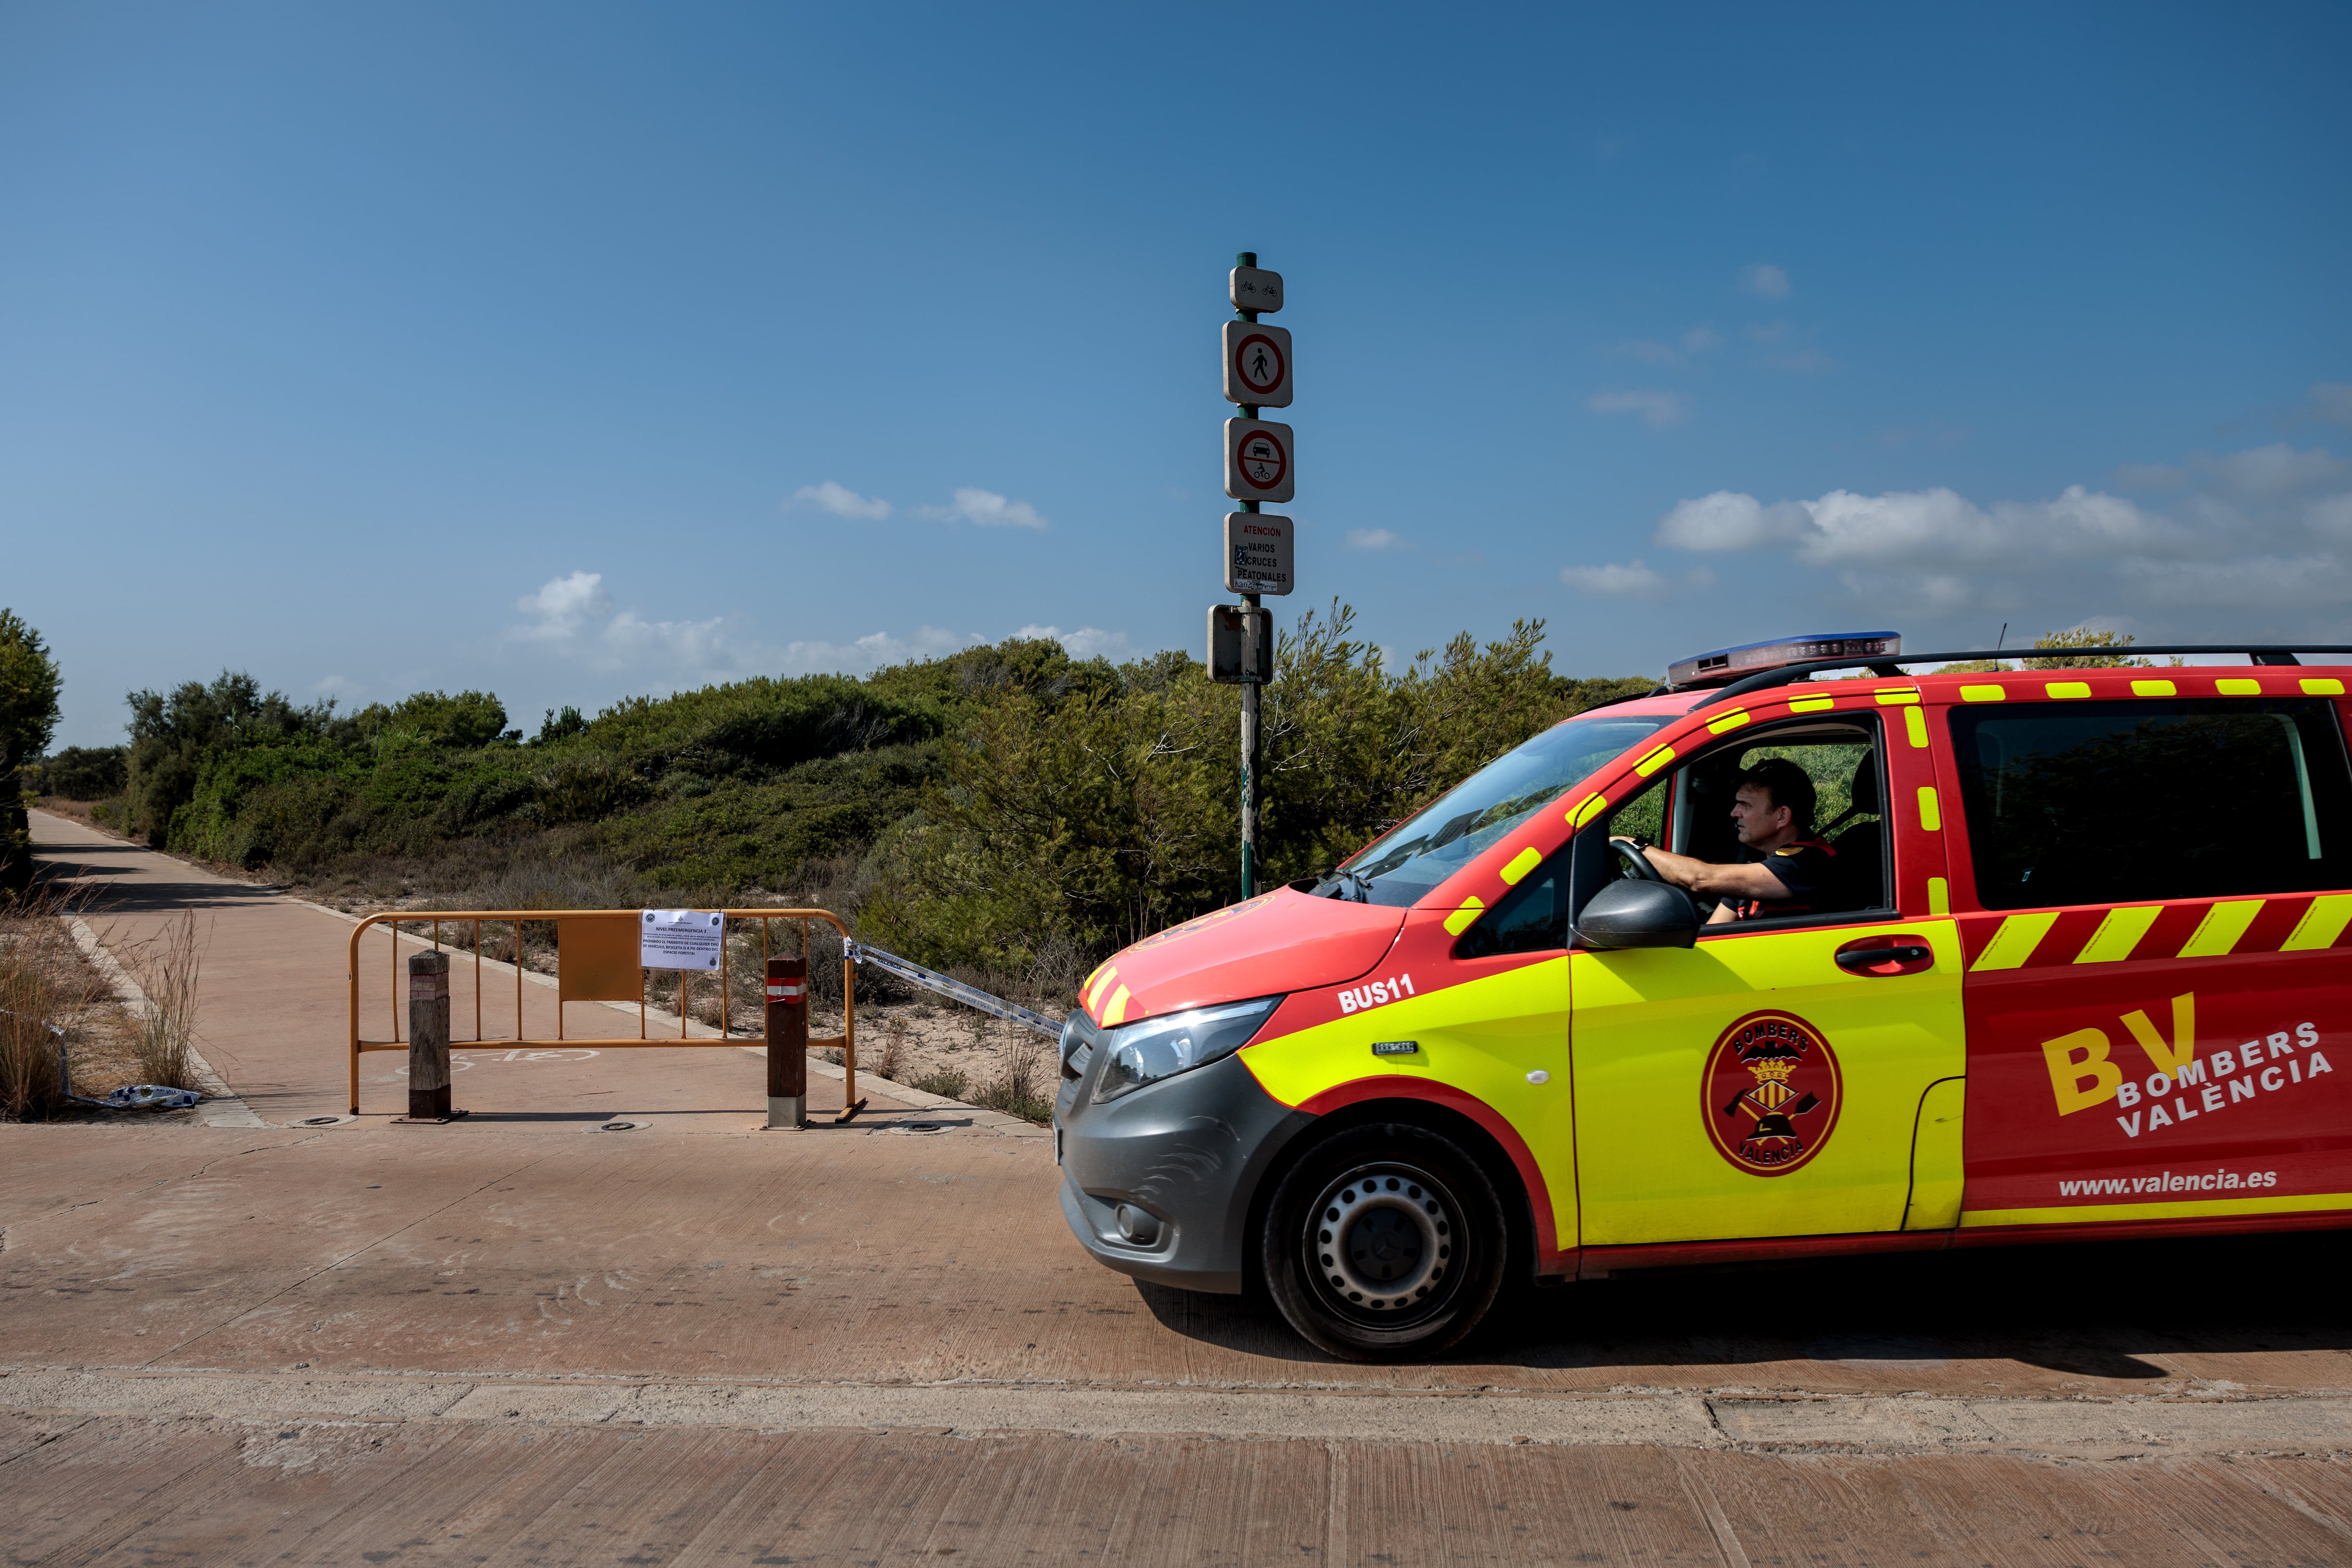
1007 811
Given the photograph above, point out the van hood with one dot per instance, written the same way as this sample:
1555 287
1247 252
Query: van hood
1278 942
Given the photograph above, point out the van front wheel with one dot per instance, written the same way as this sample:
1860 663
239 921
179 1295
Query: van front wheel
1384 1242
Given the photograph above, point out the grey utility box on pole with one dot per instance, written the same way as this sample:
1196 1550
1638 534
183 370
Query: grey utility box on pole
1258 556
1241 645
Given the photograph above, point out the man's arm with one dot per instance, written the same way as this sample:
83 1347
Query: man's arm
1749 880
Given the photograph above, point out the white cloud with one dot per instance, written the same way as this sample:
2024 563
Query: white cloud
1765 281
1633 581
1375 538
1648 351
1086 642
987 509
838 500
1690 345
869 653
2330 517
1805 362
1728 520
2248 535
1657 409
561 608
573 617
2275 469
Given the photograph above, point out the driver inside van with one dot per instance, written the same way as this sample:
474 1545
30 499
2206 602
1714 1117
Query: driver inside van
1791 872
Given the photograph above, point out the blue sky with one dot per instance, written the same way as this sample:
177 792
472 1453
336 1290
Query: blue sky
576 351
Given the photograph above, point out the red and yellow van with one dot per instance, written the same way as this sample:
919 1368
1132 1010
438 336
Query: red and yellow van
2086 974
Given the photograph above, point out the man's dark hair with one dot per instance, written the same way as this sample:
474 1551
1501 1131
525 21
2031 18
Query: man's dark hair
1789 785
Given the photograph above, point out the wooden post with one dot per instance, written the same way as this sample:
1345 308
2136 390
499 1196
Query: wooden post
787 1042
428 1036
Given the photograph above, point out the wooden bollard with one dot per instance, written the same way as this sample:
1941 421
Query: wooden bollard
428 1036
787 1042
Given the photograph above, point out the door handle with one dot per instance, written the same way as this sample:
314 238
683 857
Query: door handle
1886 955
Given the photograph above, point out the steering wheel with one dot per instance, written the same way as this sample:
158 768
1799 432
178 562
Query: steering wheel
1636 864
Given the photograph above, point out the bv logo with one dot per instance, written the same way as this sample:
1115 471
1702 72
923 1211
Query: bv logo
2081 1076
1771 1092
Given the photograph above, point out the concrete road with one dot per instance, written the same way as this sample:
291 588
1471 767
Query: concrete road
521 1338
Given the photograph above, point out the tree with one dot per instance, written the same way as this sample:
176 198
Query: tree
28 717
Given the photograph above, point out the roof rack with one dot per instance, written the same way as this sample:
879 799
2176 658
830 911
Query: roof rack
2260 653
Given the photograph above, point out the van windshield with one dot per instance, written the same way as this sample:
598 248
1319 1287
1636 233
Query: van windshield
1417 854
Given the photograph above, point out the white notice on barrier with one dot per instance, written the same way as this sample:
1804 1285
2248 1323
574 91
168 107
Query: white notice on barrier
680 939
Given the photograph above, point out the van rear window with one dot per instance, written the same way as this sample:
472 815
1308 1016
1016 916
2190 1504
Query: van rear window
2101 803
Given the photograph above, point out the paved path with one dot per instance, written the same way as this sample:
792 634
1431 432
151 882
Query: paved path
517 1339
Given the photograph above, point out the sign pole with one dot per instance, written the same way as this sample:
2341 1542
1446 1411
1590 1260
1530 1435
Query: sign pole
1249 682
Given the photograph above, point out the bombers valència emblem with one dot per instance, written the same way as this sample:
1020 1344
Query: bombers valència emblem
1771 1092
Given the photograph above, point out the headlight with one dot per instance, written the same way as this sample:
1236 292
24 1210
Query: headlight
1162 1047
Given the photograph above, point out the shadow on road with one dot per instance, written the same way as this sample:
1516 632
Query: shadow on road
2089 1310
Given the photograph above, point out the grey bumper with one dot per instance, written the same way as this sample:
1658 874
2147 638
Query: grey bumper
1190 1152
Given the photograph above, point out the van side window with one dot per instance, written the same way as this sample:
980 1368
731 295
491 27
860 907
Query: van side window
1689 810
1530 918
2101 803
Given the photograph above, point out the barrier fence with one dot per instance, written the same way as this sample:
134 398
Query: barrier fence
596 960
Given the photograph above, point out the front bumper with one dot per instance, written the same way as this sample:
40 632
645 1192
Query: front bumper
1188 1152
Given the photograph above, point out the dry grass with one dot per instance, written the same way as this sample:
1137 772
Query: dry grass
49 996
168 966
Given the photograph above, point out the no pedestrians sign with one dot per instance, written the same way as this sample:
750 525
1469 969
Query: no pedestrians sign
1258 364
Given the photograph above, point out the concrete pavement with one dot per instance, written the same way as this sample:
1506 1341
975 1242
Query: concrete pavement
520 1339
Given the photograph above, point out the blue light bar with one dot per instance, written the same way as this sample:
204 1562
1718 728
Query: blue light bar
1726 665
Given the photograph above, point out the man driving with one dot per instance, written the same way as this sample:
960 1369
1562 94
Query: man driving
1791 872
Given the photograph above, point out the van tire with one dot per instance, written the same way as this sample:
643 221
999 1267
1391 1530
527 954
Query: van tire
1384 1242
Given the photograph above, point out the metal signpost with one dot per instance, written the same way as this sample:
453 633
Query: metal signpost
1258 557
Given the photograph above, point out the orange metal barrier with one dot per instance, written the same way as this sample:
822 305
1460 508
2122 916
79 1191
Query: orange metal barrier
597 960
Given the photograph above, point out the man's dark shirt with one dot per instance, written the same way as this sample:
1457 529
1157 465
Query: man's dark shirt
1808 868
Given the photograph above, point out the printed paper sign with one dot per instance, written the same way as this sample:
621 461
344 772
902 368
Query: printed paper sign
680 939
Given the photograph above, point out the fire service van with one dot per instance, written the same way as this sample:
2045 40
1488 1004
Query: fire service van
2054 953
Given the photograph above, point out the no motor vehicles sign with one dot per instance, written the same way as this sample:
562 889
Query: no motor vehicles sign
1258 460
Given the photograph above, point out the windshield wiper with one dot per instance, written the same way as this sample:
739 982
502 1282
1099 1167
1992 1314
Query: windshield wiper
1362 883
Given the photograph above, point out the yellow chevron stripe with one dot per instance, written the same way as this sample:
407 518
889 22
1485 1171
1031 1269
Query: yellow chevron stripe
1914 722
2014 943
2119 934
1116 1012
1585 810
1654 760
1459 920
1525 861
1810 704
1892 695
1104 976
2321 924
1731 721
1940 895
1931 815
2322 686
2219 931
2154 689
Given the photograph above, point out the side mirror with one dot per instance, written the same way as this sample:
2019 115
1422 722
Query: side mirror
1638 914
